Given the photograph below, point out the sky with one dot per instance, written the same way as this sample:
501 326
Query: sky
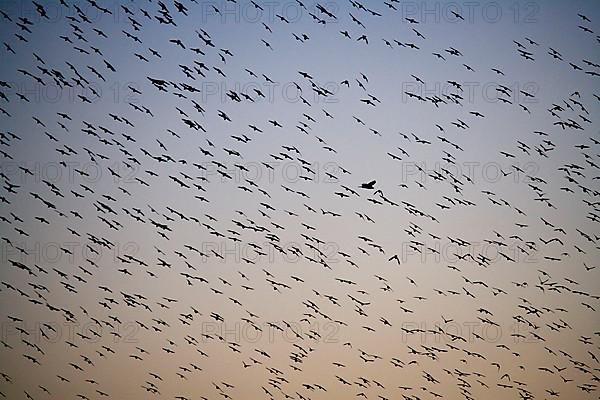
486 200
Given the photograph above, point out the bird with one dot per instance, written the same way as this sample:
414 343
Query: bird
368 185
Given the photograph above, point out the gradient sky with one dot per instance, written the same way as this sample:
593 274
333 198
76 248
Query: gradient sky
485 41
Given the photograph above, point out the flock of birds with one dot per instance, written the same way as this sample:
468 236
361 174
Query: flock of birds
398 324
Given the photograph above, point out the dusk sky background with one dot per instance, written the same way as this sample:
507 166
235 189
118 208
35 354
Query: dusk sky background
485 39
